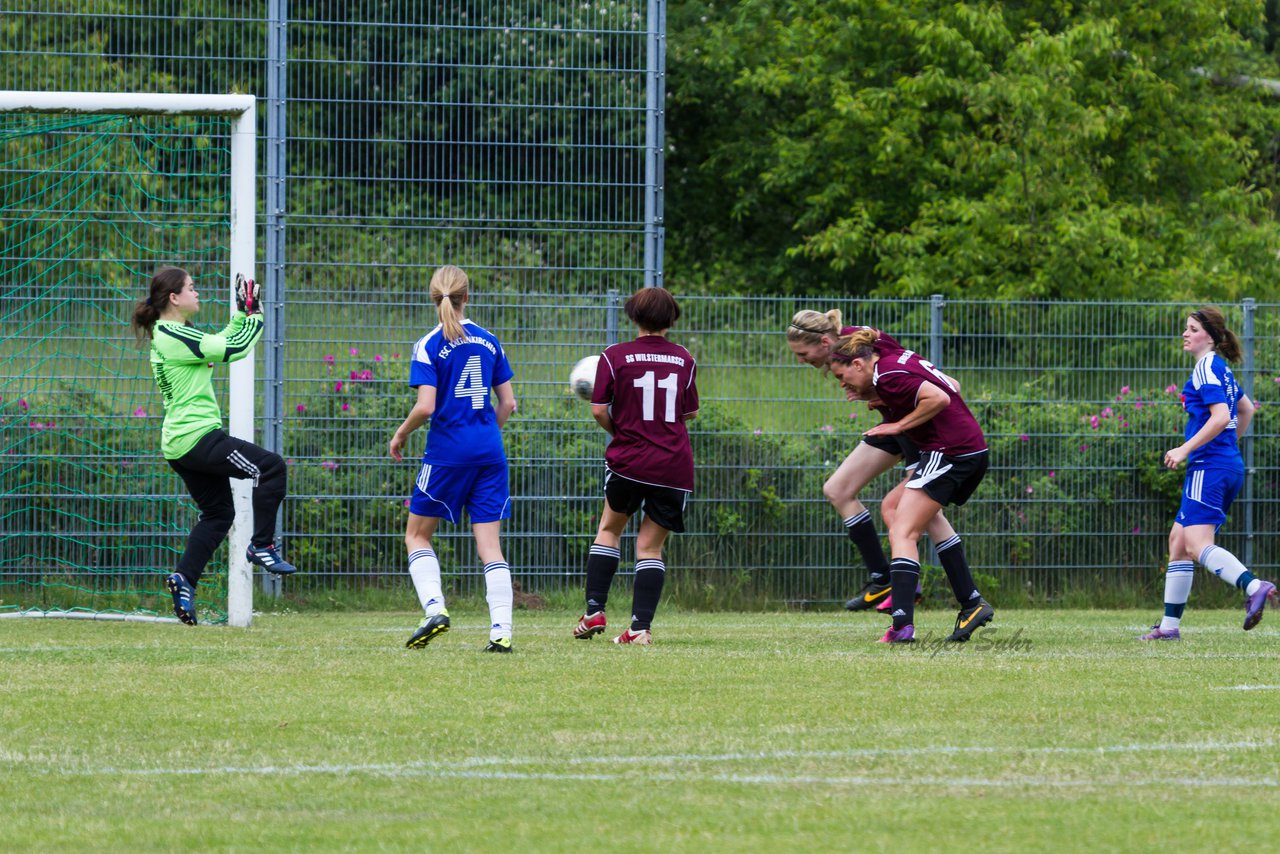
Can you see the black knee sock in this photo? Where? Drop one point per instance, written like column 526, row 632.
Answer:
column 650, row 576
column 904, row 575
column 602, row 564
column 956, row 566
column 862, row 531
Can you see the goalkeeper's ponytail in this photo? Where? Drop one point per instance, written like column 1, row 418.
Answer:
column 166, row 281
column 449, row 291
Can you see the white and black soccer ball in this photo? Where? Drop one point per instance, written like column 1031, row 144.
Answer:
column 582, row 379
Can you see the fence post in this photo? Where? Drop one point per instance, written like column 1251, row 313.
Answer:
column 936, row 302
column 654, row 130
column 611, row 317
column 1247, row 349
column 276, row 176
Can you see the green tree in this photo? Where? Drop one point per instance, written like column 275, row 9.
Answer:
column 1048, row 149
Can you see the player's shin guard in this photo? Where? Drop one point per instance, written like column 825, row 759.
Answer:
column 602, row 565
column 1177, row 589
column 651, row 573
column 424, row 569
column 1226, row 566
column 862, row 532
column 904, row 574
column 497, row 584
column 956, row 566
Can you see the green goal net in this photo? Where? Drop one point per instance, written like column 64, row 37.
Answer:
column 91, row 517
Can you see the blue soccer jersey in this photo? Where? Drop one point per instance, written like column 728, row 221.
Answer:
column 1212, row 382
column 464, row 428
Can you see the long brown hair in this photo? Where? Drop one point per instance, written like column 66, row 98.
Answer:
column 1224, row 340
column 166, row 281
column 449, row 290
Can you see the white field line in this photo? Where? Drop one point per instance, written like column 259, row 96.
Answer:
column 1248, row 688
column 509, row 768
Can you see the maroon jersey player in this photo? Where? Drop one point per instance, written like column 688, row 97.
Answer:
column 921, row 403
column 811, row 337
column 645, row 391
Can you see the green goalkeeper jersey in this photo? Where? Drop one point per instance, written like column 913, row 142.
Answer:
column 182, row 359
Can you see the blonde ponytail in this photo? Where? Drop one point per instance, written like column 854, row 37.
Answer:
column 449, row 291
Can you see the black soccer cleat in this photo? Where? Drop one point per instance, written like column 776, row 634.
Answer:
column 970, row 619
column 428, row 630
column 871, row 595
column 499, row 645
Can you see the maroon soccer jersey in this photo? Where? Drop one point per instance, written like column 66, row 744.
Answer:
column 650, row 386
column 953, row 431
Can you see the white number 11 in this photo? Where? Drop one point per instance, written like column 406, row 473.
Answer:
column 667, row 384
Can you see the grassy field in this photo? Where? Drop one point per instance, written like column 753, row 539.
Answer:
column 1057, row 731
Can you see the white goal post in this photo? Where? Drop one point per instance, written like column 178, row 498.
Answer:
column 241, row 110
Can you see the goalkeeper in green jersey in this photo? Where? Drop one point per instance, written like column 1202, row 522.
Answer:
column 192, row 439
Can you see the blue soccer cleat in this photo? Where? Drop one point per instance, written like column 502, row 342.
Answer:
column 184, row 597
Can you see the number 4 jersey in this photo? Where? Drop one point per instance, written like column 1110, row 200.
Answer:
column 464, row 429
column 649, row 384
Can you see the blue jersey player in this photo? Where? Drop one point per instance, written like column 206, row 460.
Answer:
column 454, row 369
column 1217, row 412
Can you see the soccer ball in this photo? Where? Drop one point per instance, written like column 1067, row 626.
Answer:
column 582, row 379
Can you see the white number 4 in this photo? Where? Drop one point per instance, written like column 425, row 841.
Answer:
column 471, row 383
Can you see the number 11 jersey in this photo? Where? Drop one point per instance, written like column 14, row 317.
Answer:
column 464, row 428
column 650, row 386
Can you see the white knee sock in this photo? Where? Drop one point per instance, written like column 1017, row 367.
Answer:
column 1177, row 589
column 497, row 583
column 1222, row 563
column 424, row 569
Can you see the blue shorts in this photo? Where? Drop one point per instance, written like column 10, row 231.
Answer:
column 1207, row 495
column 444, row 491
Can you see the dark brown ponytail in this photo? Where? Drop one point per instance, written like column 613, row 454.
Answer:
column 166, row 281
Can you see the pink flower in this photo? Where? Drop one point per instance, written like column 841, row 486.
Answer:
column 329, row 464
column 1024, row 438
column 337, row 387
column 301, row 408
column 1124, row 423
column 1084, row 447
column 139, row 413
column 395, row 355
column 345, row 407
column 1053, row 474
column 406, row 502
column 1138, row 405
column 1030, row 490
column 853, row 416
column 1093, row 421
column 22, row 404
column 355, row 352
column 36, row 425
column 1108, row 412
column 1124, row 389
column 328, row 360
column 377, row 358
column 1173, row 389
column 757, row 432
column 826, row 428
column 1137, row 529
column 290, row 462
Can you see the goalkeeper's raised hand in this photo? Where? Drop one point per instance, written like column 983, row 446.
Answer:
column 248, row 295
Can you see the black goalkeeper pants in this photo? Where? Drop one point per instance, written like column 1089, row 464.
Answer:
column 207, row 470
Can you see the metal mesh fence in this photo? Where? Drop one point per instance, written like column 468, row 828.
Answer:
column 521, row 141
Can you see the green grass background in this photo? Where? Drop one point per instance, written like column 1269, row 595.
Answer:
column 762, row 731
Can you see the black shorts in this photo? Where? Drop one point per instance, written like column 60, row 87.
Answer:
column 910, row 453
column 662, row 504
column 888, row 444
column 949, row 480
